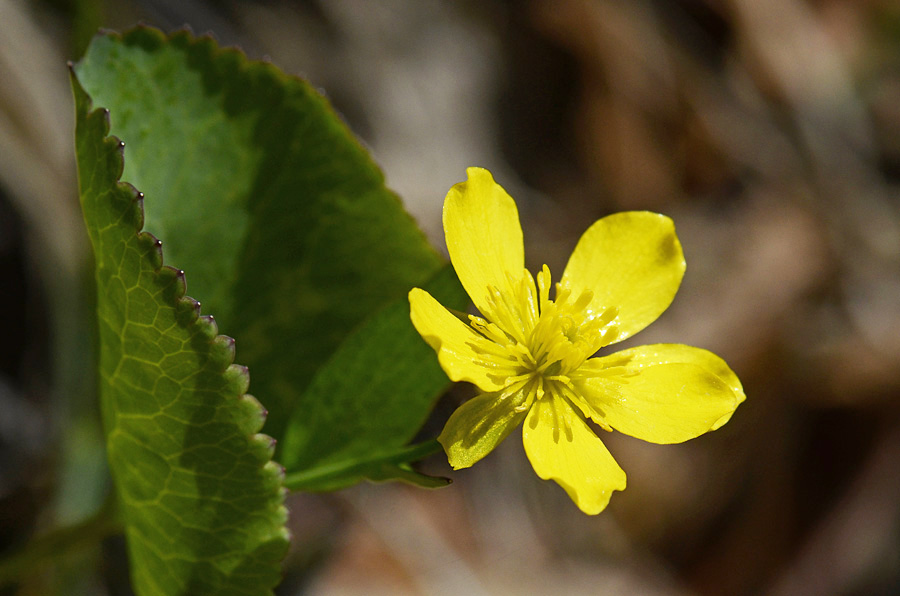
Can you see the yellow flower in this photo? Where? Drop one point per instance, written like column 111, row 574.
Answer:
column 531, row 356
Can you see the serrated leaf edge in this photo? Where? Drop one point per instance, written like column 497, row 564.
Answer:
column 215, row 50
column 188, row 311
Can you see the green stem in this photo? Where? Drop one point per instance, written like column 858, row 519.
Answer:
column 52, row 545
column 317, row 476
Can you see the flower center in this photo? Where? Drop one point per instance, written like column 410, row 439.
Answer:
column 536, row 343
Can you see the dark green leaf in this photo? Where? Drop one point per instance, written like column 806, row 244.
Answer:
column 291, row 239
column 261, row 193
column 200, row 499
column 370, row 397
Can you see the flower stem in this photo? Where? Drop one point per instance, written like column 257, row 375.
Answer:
column 378, row 467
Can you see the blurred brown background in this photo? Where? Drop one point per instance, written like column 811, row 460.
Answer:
column 768, row 129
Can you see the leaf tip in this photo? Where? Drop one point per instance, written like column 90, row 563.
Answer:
column 152, row 247
column 255, row 414
column 187, row 310
column 264, row 445
column 206, row 326
column 272, row 468
column 237, row 377
column 222, row 351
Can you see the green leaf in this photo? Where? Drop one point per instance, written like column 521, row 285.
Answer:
column 262, row 194
column 291, row 239
column 200, row 499
column 354, row 415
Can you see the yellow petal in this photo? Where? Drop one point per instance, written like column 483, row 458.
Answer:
column 662, row 393
column 454, row 341
column 479, row 425
column 631, row 261
column 562, row 447
column 484, row 237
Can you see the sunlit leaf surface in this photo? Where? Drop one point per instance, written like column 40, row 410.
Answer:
column 200, row 499
column 289, row 237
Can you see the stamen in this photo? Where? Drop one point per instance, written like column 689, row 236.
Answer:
column 530, row 395
column 583, row 301
column 543, row 281
column 527, row 298
column 538, row 346
column 507, row 319
column 490, row 330
column 568, row 392
column 512, row 389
